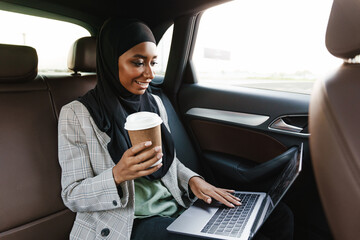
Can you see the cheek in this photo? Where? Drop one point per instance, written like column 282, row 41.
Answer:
column 127, row 74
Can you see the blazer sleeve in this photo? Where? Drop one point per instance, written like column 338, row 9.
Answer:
column 184, row 174
column 82, row 191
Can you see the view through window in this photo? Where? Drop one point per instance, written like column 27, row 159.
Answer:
column 163, row 49
column 52, row 39
column 277, row 44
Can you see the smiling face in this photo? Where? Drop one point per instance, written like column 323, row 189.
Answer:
column 136, row 67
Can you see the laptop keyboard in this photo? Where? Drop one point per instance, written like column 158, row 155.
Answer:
column 231, row 221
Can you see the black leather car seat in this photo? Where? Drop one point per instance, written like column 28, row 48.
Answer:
column 334, row 124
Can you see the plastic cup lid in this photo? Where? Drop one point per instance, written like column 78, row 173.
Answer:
column 142, row 120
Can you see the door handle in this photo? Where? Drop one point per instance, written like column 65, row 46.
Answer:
column 280, row 124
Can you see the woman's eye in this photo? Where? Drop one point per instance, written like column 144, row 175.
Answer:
column 138, row 64
column 154, row 63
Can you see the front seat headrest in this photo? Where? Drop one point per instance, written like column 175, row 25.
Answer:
column 343, row 31
column 17, row 63
column 82, row 55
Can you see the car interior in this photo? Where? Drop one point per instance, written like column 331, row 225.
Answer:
column 236, row 138
column 333, row 125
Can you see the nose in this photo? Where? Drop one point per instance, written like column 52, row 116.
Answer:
column 149, row 72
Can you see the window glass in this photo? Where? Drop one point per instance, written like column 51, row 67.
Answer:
column 163, row 50
column 52, row 39
column 277, row 44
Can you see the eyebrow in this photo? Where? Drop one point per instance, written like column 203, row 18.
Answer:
column 142, row 56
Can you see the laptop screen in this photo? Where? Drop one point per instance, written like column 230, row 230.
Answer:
column 281, row 185
column 286, row 178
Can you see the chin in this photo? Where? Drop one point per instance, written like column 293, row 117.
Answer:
column 139, row 92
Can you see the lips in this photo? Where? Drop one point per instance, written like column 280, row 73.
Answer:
column 143, row 84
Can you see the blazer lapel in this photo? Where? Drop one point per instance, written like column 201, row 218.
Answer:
column 103, row 138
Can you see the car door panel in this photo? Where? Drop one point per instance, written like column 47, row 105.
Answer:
column 236, row 141
column 255, row 142
column 226, row 146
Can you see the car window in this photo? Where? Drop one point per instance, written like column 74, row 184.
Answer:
column 163, row 49
column 52, row 39
column 277, row 45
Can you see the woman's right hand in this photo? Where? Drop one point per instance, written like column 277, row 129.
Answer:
column 133, row 165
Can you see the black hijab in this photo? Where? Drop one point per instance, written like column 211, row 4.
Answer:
column 109, row 103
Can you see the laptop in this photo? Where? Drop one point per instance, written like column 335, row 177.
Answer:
column 242, row 222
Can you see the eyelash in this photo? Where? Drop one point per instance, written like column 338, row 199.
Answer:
column 140, row 64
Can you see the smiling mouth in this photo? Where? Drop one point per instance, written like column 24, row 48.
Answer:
column 143, row 84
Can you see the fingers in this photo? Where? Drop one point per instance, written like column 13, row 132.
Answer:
column 139, row 153
column 149, row 171
column 223, row 199
column 138, row 148
column 230, row 193
column 224, row 196
column 147, row 155
column 227, row 190
column 143, row 165
column 206, row 191
column 137, row 162
column 235, row 198
column 204, row 197
column 228, row 198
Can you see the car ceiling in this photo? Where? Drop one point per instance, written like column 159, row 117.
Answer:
column 91, row 14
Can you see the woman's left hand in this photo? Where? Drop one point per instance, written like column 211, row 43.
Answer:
column 206, row 192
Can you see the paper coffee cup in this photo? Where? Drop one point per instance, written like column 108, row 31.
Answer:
column 144, row 126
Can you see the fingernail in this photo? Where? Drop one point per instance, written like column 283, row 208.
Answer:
column 148, row 143
column 238, row 203
column 232, row 205
column 159, row 155
column 208, row 200
column 157, row 148
column 159, row 165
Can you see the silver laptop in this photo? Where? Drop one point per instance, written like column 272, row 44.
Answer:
column 241, row 222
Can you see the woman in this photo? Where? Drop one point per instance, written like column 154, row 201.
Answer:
column 107, row 181
column 111, row 184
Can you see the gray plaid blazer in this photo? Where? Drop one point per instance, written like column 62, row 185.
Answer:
column 88, row 186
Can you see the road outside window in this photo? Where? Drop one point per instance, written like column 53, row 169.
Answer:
column 276, row 45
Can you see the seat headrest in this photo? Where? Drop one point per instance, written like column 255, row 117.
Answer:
column 343, row 31
column 17, row 63
column 82, row 55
